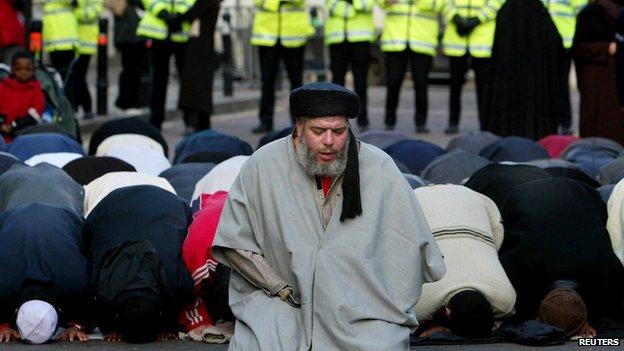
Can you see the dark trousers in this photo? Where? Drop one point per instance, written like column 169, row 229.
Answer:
column 357, row 55
column 396, row 66
column 566, row 117
column 269, row 64
column 77, row 89
column 61, row 60
column 459, row 67
column 132, row 55
column 161, row 55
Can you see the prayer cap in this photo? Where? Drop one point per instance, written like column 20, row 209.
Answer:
column 36, row 321
column 324, row 99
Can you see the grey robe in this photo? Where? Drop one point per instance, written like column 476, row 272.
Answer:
column 358, row 282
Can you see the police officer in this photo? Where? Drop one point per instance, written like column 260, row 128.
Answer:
column 467, row 42
column 410, row 34
column 60, row 33
column 280, row 30
column 163, row 24
column 349, row 32
column 563, row 14
column 87, row 13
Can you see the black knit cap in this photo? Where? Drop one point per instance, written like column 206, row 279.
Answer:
column 322, row 99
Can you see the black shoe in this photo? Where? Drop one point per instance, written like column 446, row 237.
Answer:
column 451, row 129
column 422, row 130
column 261, row 129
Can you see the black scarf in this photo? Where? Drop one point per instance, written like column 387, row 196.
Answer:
column 352, row 203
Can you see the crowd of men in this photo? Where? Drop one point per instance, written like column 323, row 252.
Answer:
column 317, row 239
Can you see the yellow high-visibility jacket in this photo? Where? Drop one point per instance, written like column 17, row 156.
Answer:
column 563, row 13
column 479, row 42
column 412, row 24
column 88, row 14
column 351, row 22
column 60, row 26
column 286, row 21
column 152, row 27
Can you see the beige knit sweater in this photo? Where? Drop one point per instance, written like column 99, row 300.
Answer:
column 467, row 227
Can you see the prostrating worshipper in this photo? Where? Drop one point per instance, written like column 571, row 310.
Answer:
column 44, row 275
column 497, row 180
column 220, row 178
column 133, row 140
column 527, row 100
column 514, row 149
column 7, row 161
column 183, row 177
column 210, row 141
column 574, row 174
column 23, row 185
column 132, row 125
column 58, row 159
column 615, row 224
column 144, row 160
column 320, row 259
column 555, row 144
column 558, row 256
column 453, row 167
column 137, row 278
column 472, row 142
column 381, row 138
column 86, row 169
column 98, row 189
column 612, row 172
column 414, row 154
column 590, row 154
column 594, row 53
column 210, row 319
column 27, row 146
column 475, row 290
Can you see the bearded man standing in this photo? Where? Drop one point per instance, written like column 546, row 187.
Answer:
column 328, row 245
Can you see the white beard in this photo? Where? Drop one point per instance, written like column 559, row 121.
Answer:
column 313, row 168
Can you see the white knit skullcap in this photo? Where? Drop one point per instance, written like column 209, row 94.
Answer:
column 36, row 321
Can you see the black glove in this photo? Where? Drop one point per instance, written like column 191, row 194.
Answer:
column 163, row 15
column 174, row 22
column 461, row 25
column 472, row 23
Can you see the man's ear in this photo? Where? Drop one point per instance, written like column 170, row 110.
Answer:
column 299, row 125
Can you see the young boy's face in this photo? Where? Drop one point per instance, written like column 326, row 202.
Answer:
column 23, row 69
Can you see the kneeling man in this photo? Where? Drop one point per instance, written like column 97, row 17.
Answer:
column 328, row 245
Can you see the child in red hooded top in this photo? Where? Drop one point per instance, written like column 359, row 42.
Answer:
column 21, row 99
